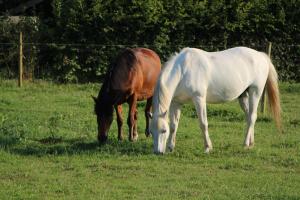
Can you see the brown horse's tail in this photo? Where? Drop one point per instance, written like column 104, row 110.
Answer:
column 273, row 95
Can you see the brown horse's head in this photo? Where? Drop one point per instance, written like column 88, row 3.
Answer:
column 104, row 112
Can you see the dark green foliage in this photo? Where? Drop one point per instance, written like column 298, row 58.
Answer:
column 87, row 34
column 9, row 40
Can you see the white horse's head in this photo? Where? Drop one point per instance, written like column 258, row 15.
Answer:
column 160, row 131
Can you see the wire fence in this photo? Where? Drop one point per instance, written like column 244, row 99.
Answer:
column 47, row 60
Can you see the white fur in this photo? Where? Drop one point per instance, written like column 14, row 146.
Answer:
column 207, row 77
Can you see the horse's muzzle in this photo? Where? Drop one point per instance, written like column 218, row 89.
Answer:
column 102, row 138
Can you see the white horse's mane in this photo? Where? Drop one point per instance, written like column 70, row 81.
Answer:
column 161, row 97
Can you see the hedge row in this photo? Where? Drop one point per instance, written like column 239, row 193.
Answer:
column 78, row 40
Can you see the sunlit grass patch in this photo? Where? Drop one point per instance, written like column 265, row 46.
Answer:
column 49, row 149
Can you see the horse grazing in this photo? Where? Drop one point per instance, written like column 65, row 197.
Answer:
column 212, row 77
column 131, row 78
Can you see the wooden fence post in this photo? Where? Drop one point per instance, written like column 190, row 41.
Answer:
column 20, row 60
column 263, row 102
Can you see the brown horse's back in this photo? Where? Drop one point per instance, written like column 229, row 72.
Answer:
column 123, row 71
column 136, row 72
column 149, row 65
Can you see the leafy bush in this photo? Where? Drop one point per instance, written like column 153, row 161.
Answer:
column 81, row 36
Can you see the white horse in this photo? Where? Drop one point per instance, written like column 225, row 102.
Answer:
column 212, row 77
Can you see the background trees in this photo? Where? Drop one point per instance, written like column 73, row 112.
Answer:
column 79, row 37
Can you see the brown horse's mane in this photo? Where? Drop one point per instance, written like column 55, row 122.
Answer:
column 125, row 61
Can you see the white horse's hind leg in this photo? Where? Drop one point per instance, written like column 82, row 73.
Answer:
column 244, row 103
column 254, row 96
column 174, row 114
column 200, row 104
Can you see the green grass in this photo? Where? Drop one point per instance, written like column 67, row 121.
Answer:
column 48, row 150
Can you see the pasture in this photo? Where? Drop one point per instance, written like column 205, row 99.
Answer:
column 48, row 150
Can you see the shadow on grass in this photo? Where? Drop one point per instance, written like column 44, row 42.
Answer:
column 223, row 115
column 6, row 141
column 74, row 146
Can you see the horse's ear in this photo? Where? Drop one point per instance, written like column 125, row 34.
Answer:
column 94, row 98
column 164, row 114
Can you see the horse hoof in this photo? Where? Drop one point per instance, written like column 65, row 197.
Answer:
column 247, row 147
column 147, row 134
column 207, row 150
column 171, row 149
column 133, row 139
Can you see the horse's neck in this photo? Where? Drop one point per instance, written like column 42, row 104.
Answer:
column 168, row 83
column 104, row 95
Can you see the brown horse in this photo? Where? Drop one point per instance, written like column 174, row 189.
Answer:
column 131, row 78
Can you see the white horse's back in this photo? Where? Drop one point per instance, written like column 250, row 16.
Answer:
column 222, row 76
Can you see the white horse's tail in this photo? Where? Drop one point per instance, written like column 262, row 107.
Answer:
column 273, row 95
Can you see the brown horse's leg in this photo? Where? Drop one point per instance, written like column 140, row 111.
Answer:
column 118, row 109
column 135, row 131
column 131, row 117
column 148, row 115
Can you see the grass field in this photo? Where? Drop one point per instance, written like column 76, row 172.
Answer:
column 48, row 150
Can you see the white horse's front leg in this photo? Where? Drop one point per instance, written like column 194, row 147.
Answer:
column 174, row 115
column 200, row 104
